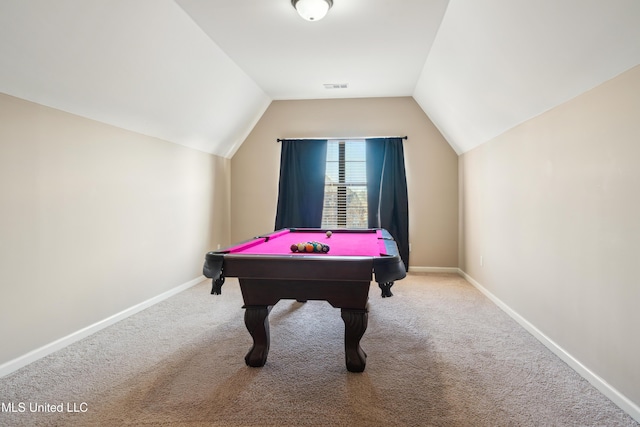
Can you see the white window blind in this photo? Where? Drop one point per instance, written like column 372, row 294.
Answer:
column 345, row 189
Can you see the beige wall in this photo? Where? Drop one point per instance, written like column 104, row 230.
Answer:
column 553, row 208
column 432, row 176
column 94, row 220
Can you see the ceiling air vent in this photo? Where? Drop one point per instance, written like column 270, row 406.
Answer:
column 335, row 85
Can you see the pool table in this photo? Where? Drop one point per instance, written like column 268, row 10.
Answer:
column 269, row 270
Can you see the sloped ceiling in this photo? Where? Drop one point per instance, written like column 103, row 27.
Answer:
column 142, row 65
column 497, row 63
column 202, row 72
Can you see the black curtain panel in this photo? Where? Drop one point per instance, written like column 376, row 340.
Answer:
column 301, row 188
column 387, row 198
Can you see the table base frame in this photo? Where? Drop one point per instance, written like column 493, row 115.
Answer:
column 260, row 295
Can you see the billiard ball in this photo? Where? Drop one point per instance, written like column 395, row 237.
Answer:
column 301, row 247
column 329, row 233
column 294, row 248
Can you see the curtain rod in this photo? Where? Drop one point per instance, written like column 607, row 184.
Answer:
column 349, row 137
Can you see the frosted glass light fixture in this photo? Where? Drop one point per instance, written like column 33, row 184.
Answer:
column 312, row 10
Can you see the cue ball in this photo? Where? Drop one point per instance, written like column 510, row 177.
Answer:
column 329, row 233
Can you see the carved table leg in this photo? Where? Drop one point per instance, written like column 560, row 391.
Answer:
column 256, row 318
column 386, row 289
column 355, row 324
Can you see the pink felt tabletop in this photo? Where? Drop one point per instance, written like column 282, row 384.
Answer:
column 340, row 243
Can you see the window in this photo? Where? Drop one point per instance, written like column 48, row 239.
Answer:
column 345, row 187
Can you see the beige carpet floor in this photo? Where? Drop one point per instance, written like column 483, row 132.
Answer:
column 439, row 354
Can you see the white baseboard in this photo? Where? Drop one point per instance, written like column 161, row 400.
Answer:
column 454, row 270
column 605, row 388
column 32, row 356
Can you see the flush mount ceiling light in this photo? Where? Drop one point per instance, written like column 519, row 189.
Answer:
column 312, row 10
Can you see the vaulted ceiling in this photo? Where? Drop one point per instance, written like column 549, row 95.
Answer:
column 202, row 72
